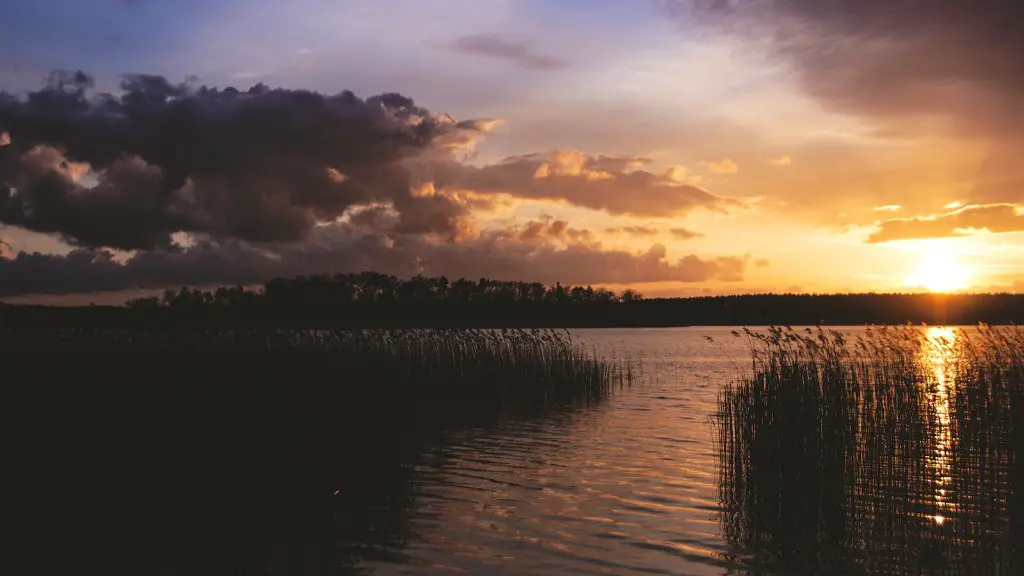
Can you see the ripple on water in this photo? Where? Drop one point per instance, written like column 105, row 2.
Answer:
column 624, row 488
column 632, row 486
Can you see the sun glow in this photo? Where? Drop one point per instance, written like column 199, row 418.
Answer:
column 939, row 270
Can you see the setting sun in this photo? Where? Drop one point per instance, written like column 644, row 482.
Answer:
column 939, row 270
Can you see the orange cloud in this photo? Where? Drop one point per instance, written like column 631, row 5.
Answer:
column 633, row 230
column 547, row 230
column 996, row 218
column 684, row 234
column 676, row 173
column 614, row 184
column 725, row 166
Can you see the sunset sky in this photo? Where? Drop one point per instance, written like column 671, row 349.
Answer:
column 679, row 147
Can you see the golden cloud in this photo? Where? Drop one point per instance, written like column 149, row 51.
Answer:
column 995, row 218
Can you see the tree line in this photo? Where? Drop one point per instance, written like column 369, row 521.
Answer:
column 372, row 287
column 368, row 300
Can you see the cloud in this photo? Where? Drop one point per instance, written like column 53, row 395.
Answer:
column 725, row 166
column 684, row 234
column 642, row 231
column 547, row 230
column 912, row 68
column 676, row 173
column 258, row 165
column 894, row 59
column 995, row 218
column 780, row 161
column 273, row 182
column 490, row 46
column 890, row 208
column 501, row 254
column 614, row 184
column 762, row 263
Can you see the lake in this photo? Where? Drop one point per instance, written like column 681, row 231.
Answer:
column 633, row 486
column 623, row 488
column 168, row 453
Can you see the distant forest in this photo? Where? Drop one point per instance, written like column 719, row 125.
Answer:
column 377, row 300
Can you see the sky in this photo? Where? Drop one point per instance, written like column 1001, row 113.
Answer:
column 678, row 147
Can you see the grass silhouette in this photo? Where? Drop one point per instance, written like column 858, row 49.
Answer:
column 254, row 451
column 896, row 452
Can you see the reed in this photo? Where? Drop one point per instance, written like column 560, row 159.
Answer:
column 508, row 367
column 210, row 451
column 895, row 452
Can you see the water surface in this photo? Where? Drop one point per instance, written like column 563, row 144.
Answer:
column 623, row 488
column 636, row 485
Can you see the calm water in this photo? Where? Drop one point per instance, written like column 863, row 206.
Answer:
column 624, row 488
column 634, row 486
column 628, row 487
column 693, row 470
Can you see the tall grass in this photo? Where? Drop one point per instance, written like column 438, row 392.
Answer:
column 895, row 452
column 246, row 452
column 534, row 365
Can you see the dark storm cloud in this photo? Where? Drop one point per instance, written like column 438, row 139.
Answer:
column 503, row 49
column 263, row 164
column 548, row 251
column 995, row 218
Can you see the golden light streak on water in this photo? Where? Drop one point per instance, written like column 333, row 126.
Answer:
column 937, row 356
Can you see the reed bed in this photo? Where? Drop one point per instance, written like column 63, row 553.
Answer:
column 537, row 367
column 896, row 452
column 254, row 451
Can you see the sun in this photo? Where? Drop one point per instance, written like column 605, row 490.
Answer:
column 939, row 270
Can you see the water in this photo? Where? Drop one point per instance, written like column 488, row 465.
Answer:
column 642, row 483
column 627, row 487
column 635, row 486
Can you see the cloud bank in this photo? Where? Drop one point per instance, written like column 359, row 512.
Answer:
column 268, row 182
column 259, row 165
column 539, row 251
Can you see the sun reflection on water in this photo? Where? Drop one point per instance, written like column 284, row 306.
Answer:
column 937, row 356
